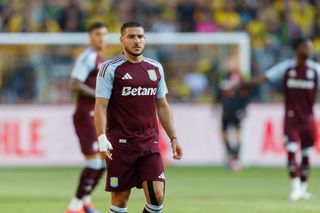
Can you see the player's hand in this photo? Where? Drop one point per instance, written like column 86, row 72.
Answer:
column 105, row 146
column 176, row 149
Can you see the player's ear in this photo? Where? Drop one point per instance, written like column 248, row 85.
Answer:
column 121, row 39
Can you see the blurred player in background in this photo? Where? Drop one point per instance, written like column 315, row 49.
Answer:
column 301, row 79
column 131, row 92
column 83, row 82
column 233, row 109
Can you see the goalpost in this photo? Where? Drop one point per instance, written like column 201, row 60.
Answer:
column 240, row 39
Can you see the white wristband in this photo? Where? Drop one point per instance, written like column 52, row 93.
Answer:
column 102, row 138
column 104, row 143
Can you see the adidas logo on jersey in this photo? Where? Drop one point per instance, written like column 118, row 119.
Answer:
column 126, row 76
column 162, row 176
column 140, row 91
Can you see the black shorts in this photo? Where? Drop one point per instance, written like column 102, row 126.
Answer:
column 232, row 118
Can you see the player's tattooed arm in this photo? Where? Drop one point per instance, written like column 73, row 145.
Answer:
column 165, row 117
column 79, row 87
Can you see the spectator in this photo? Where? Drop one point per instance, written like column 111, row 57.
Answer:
column 72, row 17
column 185, row 12
column 228, row 19
column 204, row 22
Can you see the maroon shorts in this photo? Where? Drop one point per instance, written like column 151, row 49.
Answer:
column 128, row 169
column 303, row 131
column 85, row 130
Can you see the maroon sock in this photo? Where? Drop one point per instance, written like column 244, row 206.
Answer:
column 292, row 165
column 305, row 169
column 97, row 178
column 86, row 182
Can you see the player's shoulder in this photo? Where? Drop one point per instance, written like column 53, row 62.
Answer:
column 111, row 64
column 152, row 62
column 87, row 53
column 290, row 62
column 313, row 65
column 284, row 66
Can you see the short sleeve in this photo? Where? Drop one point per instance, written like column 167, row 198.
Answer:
column 84, row 64
column 317, row 69
column 162, row 86
column 277, row 72
column 104, row 84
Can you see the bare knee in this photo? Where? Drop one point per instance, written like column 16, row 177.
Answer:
column 154, row 191
column 159, row 192
column 120, row 199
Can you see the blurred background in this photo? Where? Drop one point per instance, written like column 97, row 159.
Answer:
column 271, row 25
column 248, row 37
column 198, row 42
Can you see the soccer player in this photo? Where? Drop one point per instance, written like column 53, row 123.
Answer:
column 301, row 79
column 130, row 94
column 233, row 110
column 83, row 82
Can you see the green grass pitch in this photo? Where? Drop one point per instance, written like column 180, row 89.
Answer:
column 188, row 190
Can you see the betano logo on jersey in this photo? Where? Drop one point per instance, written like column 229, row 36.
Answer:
column 140, row 91
column 300, row 84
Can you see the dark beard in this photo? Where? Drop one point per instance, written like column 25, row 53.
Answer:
column 134, row 54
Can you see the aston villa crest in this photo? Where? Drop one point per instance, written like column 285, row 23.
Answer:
column 152, row 75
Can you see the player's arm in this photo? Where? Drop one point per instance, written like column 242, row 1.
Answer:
column 84, row 64
column 103, row 92
column 274, row 74
column 165, row 117
column 81, row 88
column 100, row 122
column 255, row 81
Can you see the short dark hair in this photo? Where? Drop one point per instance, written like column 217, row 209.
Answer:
column 128, row 25
column 96, row 25
column 301, row 40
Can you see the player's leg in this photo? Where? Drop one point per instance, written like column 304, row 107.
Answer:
column 307, row 142
column 293, row 168
column 101, row 171
column 119, row 201
column 224, row 133
column 151, row 176
column 154, row 193
column 89, row 178
column 235, row 165
column 121, row 177
column 239, row 115
column 94, row 167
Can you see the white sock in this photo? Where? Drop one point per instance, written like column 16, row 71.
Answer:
column 115, row 209
column 304, row 187
column 86, row 199
column 295, row 184
column 153, row 208
column 75, row 204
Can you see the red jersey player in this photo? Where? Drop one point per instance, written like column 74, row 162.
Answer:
column 83, row 82
column 300, row 78
column 130, row 93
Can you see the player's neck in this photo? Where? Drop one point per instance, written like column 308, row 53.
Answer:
column 301, row 61
column 97, row 50
column 132, row 58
